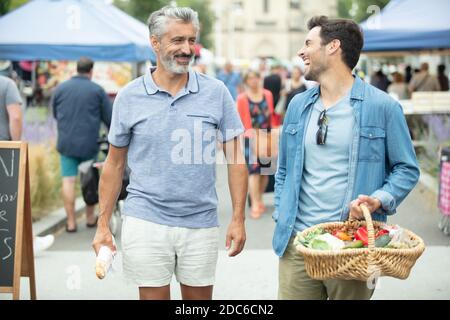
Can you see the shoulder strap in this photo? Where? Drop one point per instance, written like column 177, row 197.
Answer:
column 421, row 83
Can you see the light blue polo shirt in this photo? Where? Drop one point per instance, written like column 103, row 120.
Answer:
column 325, row 173
column 172, row 148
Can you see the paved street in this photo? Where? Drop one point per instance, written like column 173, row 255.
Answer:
column 67, row 270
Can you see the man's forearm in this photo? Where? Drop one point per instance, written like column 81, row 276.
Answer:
column 238, row 184
column 15, row 128
column 15, row 121
column 109, row 189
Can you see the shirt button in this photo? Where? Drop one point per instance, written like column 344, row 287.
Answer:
column 293, row 131
column 370, row 135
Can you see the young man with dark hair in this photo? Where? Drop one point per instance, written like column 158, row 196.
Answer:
column 343, row 144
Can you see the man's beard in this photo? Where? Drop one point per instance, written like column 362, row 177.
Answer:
column 171, row 64
column 314, row 74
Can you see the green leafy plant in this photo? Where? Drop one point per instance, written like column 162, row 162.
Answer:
column 45, row 180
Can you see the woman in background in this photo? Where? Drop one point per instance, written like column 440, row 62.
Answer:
column 256, row 109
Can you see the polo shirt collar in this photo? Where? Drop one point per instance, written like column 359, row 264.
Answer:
column 151, row 87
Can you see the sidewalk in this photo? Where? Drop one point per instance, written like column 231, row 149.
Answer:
column 67, row 270
column 252, row 275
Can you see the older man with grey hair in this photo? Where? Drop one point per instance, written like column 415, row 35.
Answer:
column 166, row 125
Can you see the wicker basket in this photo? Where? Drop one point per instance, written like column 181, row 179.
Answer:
column 360, row 264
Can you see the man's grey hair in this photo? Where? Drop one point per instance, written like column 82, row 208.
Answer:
column 158, row 20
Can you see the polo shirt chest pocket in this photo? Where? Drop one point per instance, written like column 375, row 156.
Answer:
column 204, row 122
column 372, row 144
column 207, row 121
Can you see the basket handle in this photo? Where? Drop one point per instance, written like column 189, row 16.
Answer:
column 369, row 225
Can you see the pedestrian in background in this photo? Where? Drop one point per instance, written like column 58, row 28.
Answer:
column 10, row 110
column 162, row 122
column 11, row 125
column 273, row 82
column 398, row 88
column 380, row 80
column 408, row 74
column 79, row 107
column 442, row 77
column 295, row 85
column 231, row 79
column 424, row 81
column 256, row 109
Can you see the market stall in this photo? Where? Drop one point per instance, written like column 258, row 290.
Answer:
column 46, row 37
column 70, row 29
column 406, row 28
column 408, row 25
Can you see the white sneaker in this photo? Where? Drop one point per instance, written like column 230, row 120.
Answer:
column 42, row 243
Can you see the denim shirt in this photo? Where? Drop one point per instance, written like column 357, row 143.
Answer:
column 382, row 160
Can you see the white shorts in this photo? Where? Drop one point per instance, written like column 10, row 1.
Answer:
column 152, row 253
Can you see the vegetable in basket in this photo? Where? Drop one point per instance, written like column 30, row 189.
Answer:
column 319, row 240
column 354, row 245
column 361, row 234
column 342, row 235
column 306, row 240
column 318, row 244
column 381, row 233
column 400, row 239
column 382, row 241
column 332, row 242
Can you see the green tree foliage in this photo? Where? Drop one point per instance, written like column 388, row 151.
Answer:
column 206, row 17
column 141, row 9
column 8, row 5
column 358, row 9
column 4, row 6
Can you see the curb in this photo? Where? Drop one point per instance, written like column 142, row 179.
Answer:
column 57, row 219
column 429, row 182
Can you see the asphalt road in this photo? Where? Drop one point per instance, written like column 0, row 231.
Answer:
column 66, row 271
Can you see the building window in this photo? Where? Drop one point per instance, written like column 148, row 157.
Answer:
column 266, row 6
column 238, row 5
column 295, row 4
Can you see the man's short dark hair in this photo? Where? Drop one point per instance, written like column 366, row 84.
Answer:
column 346, row 31
column 84, row 65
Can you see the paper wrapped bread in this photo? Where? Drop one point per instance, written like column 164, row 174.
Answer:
column 104, row 261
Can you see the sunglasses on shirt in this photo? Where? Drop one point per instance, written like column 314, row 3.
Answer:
column 322, row 122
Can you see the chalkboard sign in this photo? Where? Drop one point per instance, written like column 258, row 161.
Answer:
column 9, row 186
column 16, row 243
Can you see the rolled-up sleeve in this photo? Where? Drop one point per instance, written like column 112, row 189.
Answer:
column 402, row 161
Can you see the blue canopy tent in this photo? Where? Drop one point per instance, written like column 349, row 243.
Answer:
column 70, row 29
column 409, row 25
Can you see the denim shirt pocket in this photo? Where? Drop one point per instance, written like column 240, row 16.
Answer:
column 291, row 131
column 372, row 144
